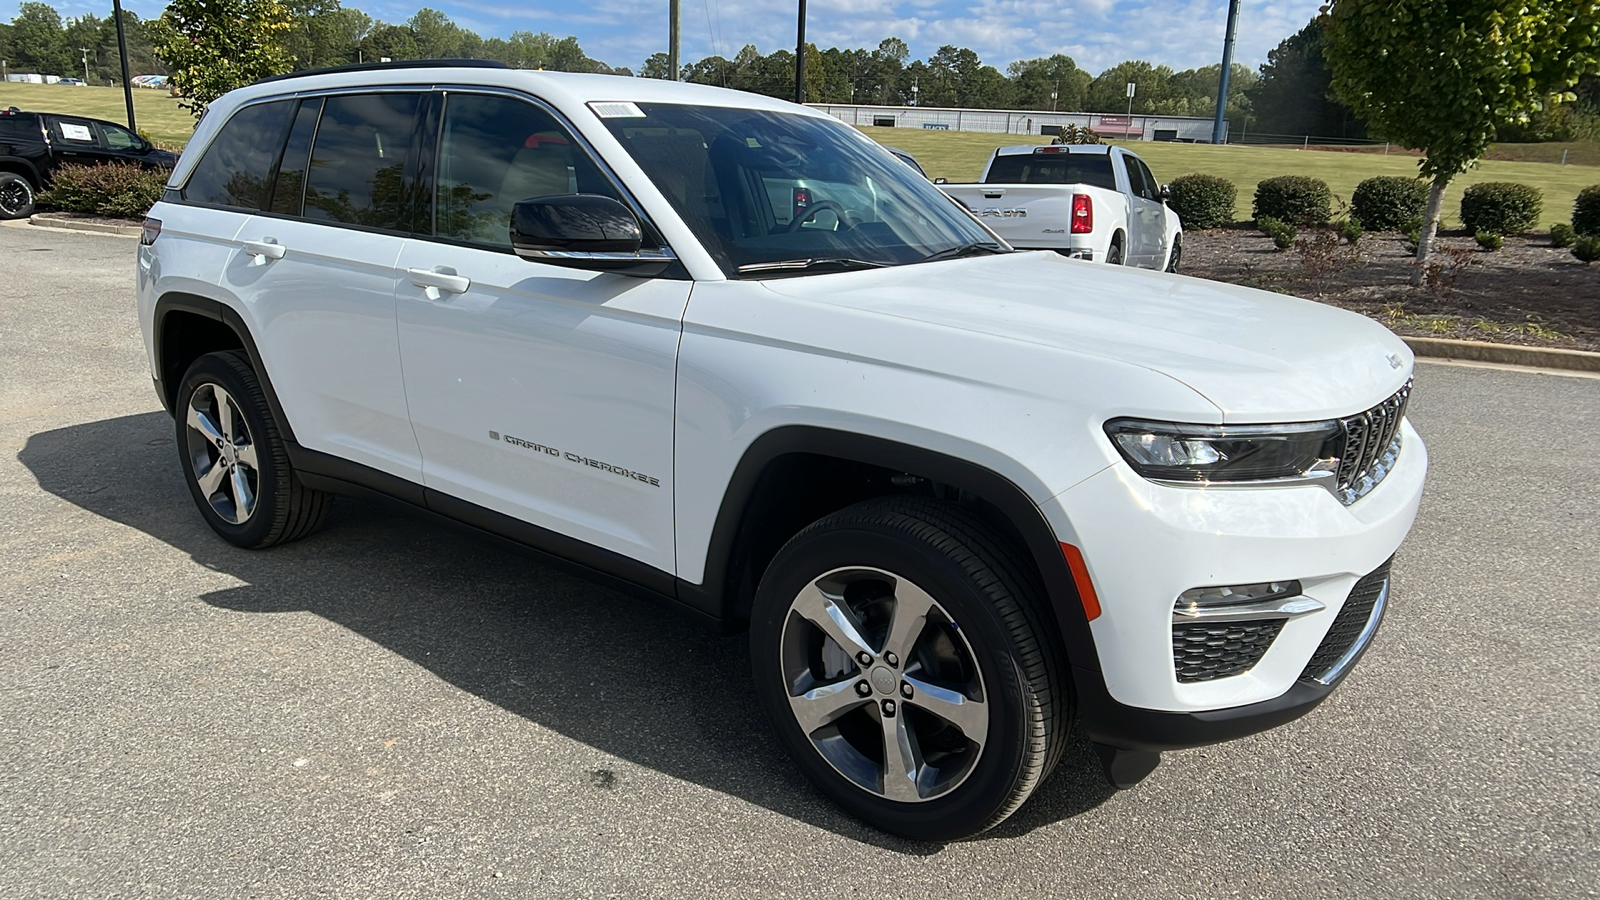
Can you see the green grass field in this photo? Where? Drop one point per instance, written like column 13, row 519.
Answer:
column 960, row 156
column 158, row 115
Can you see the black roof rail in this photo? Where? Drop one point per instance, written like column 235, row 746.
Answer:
column 393, row 64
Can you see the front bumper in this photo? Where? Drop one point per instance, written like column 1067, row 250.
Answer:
column 1144, row 544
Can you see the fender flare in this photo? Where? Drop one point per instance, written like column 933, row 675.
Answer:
column 217, row 311
column 719, row 596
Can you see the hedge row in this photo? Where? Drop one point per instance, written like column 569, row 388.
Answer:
column 115, row 190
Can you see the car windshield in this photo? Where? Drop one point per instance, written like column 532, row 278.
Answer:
column 760, row 188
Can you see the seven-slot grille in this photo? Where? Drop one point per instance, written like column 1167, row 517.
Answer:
column 1371, row 444
column 1358, row 610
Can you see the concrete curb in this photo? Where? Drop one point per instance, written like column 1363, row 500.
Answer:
column 72, row 223
column 1505, row 354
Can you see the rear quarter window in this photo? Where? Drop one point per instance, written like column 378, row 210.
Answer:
column 237, row 167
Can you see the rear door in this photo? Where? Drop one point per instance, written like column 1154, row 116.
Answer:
column 315, row 267
column 75, row 140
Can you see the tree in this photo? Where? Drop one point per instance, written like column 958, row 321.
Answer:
column 39, row 42
column 1295, row 91
column 1441, row 76
column 1054, row 83
column 213, row 46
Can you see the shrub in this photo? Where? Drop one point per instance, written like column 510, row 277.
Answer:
column 1349, row 229
column 116, row 190
column 1587, row 248
column 1489, row 240
column 1295, row 199
column 1203, row 201
column 1562, row 235
column 1586, row 211
column 1501, row 207
column 1389, row 202
column 1282, row 233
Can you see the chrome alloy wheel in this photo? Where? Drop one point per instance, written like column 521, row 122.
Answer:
column 882, row 681
column 222, row 453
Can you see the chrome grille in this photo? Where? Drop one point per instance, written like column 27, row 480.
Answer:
column 1371, row 445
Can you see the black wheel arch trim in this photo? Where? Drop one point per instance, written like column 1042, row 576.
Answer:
column 719, row 596
column 32, row 174
column 217, row 311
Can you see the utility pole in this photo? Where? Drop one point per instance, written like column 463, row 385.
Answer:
column 1219, row 132
column 673, row 39
column 122, row 51
column 800, row 57
column 85, row 52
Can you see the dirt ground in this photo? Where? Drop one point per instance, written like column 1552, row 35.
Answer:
column 1528, row 292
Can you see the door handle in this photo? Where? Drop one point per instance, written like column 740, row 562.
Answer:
column 441, row 277
column 264, row 249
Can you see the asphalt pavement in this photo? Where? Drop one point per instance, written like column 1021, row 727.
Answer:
column 399, row 708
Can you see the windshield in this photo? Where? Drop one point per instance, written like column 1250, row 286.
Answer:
column 1052, row 168
column 760, row 187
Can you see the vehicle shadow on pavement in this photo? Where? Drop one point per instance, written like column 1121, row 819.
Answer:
column 624, row 676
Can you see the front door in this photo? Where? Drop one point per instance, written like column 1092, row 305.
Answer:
column 541, row 392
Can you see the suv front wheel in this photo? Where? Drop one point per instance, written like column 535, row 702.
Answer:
column 900, row 653
column 234, row 459
column 16, row 196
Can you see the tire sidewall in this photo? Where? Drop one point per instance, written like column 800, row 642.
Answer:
column 1175, row 257
column 215, row 369
column 33, row 195
column 973, row 804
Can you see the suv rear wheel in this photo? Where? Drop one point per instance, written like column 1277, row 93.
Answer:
column 16, row 196
column 899, row 652
column 234, row 459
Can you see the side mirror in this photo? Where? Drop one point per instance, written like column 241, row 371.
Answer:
column 1166, row 192
column 941, row 181
column 584, row 231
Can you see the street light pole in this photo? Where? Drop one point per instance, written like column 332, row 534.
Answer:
column 122, row 51
column 673, row 40
column 1219, row 133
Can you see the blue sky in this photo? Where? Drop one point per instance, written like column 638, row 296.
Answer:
column 1097, row 33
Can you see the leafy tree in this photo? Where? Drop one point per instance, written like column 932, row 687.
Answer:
column 1295, row 95
column 1054, row 83
column 325, row 33
column 214, row 46
column 1108, row 93
column 1442, row 75
column 39, row 42
column 393, row 41
column 658, row 65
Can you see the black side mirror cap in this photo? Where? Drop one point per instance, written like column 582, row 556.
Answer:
column 584, row 231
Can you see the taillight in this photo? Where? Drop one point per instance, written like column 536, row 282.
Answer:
column 151, row 231
column 1082, row 214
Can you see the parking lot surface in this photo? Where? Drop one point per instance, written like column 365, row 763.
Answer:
column 396, row 707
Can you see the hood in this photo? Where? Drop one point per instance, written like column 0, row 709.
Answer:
column 1256, row 355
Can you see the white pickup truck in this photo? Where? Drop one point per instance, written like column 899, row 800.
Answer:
column 1086, row 201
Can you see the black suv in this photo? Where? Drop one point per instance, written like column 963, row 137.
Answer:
column 33, row 145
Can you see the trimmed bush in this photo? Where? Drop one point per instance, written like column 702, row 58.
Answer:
column 1295, row 199
column 1587, row 248
column 115, row 190
column 1282, row 233
column 1489, row 240
column 1501, row 207
column 1349, row 229
column 1562, row 235
column 1389, row 202
column 1203, row 201
column 1586, row 211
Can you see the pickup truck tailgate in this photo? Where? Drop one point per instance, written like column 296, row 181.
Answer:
column 1026, row 215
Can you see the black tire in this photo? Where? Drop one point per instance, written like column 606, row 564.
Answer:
column 255, row 500
column 1114, row 256
column 16, row 196
column 987, row 614
column 1176, row 255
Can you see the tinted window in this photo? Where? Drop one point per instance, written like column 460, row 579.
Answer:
column 1053, row 168
column 496, row 151
column 25, row 127
column 235, row 170
column 358, row 161
column 119, row 138
column 290, row 186
column 73, row 133
column 1152, row 190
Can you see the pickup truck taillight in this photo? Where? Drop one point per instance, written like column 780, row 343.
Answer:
column 150, row 231
column 1082, row 214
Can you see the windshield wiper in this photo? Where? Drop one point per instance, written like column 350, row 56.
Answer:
column 961, row 250
column 801, row 265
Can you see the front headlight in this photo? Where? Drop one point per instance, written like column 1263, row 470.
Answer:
column 1171, row 451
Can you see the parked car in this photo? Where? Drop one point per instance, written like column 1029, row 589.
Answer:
column 33, row 145
column 1083, row 200
column 720, row 350
column 908, row 159
column 73, row 81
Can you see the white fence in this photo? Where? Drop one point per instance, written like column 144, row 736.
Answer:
column 1023, row 121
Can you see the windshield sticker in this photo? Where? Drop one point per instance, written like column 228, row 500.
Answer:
column 75, row 132
column 616, row 109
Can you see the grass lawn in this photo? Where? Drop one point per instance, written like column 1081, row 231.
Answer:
column 961, row 155
column 158, row 115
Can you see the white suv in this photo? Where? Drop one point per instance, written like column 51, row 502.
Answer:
column 726, row 351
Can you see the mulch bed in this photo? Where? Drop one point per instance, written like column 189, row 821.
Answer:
column 1525, row 293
